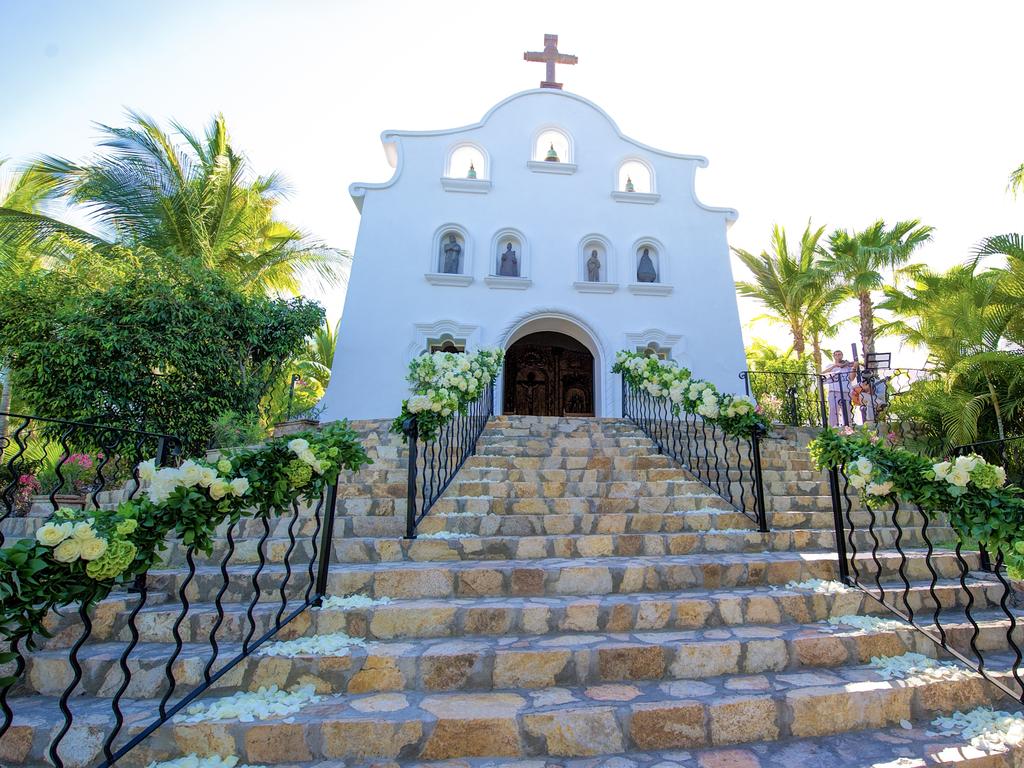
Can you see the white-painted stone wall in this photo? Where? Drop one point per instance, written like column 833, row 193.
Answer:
column 393, row 306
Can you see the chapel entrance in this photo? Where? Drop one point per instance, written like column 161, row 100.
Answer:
column 549, row 374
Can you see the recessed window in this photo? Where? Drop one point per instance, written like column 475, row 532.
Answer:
column 635, row 176
column 467, row 161
column 653, row 349
column 446, row 343
column 553, row 146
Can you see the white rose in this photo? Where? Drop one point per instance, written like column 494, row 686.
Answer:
column 880, row 489
column 959, row 477
column 83, row 532
column 189, row 473
column 93, row 548
column 206, row 476
column 52, row 534
column 857, row 481
column 67, row 551
column 941, row 470
column 219, row 489
column 966, row 463
column 147, row 470
column 1000, row 476
column 863, row 466
column 298, row 445
column 239, row 486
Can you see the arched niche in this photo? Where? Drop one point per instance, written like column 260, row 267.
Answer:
column 658, row 259
column 553, row 138
column 605, row 255
column 467, row 161
column 443, row 236
column 500, row 243
column 635, row 175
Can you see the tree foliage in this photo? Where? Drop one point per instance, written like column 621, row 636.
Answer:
column 146, row 341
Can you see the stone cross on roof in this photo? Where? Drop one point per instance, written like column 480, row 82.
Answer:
column 550, row 56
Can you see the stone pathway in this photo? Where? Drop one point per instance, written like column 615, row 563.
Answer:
column 574, row 599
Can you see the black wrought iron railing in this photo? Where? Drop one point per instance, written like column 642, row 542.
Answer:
column 221, row 610
column 434, row 462
column 729, row 466
column 916, row 566
column 791, row 398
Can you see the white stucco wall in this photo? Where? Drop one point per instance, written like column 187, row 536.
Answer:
column 391, row 307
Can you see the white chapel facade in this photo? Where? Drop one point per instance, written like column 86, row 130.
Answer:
column 544, row 231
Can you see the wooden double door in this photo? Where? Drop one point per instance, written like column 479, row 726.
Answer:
column 549, row 374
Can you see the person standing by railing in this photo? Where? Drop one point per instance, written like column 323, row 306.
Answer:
column 839, row 389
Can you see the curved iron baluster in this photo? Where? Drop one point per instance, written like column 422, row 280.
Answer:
column 287, row 563
column 218, row 603
column 976, row 630
column 176, row 631
column 126, row 673
column 875, row 543
column 65, row 457
column 936, row 616
column 255, row 582
column 1003, row 600
column 19, row 670
column 315, row 555
column 850, row 537
column 903, row 557
column 86, row 619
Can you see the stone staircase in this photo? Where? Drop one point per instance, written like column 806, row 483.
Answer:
column 573, row 599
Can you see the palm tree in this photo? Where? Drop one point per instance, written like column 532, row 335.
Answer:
column 956, row 315
column 197, row 200
column 1009, row 291
column 857, row 261
column 793, row 288
column 319, row 357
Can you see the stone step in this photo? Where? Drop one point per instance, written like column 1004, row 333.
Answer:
column 553, row 722
column 622, row 463
column 515, row 475
column 561, row 505
column 560, row 489
column 523, row 616
column 505, row 662
column 582, row 576
column 443, row 546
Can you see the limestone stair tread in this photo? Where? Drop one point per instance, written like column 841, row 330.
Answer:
column 601, row 719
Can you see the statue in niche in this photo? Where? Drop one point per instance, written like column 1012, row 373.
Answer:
column 451, row 254
column 509, row 266
column 645, row 272
column 594, row 268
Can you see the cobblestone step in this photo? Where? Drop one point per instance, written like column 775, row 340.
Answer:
column 579, row 576
column 559, row 722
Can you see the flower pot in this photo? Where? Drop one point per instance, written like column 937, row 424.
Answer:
column 41, row 506
column 297, row 425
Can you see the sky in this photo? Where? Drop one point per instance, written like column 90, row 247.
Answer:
column 839, row 112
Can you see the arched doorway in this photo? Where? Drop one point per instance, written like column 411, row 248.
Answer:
column 548, row 373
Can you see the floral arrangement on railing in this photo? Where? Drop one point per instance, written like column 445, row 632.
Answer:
column 443, row 384
column 79, row 556
column 973, row 494
column 736, row 415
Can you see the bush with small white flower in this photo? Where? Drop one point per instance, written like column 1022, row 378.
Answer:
column 736, row 415
column 443, row 384
column 972, row 493
column 78, row 556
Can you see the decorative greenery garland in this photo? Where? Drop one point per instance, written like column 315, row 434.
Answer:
column 972, row 493
column 79, row 556
column 443, row 384
column 736, row 415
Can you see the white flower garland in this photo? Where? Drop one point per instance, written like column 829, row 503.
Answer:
column 352, row 601
column 916, row 665
column 442, row 380
column 164, row 481
column 333, row 644
column 248, row 706
column 986, row 728
column 194, row 761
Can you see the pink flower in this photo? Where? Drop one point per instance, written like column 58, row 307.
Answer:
column 758, row 408
column 847, row 430
column 893, row 437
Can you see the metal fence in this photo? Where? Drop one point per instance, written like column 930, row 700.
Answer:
column 434, row 462
column 729, row 466
column 272, row 592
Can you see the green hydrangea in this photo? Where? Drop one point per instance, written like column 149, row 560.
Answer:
column 224, row 467
column 984, row 476
column 126, row 526
column 299, row 473
column 113, row 562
